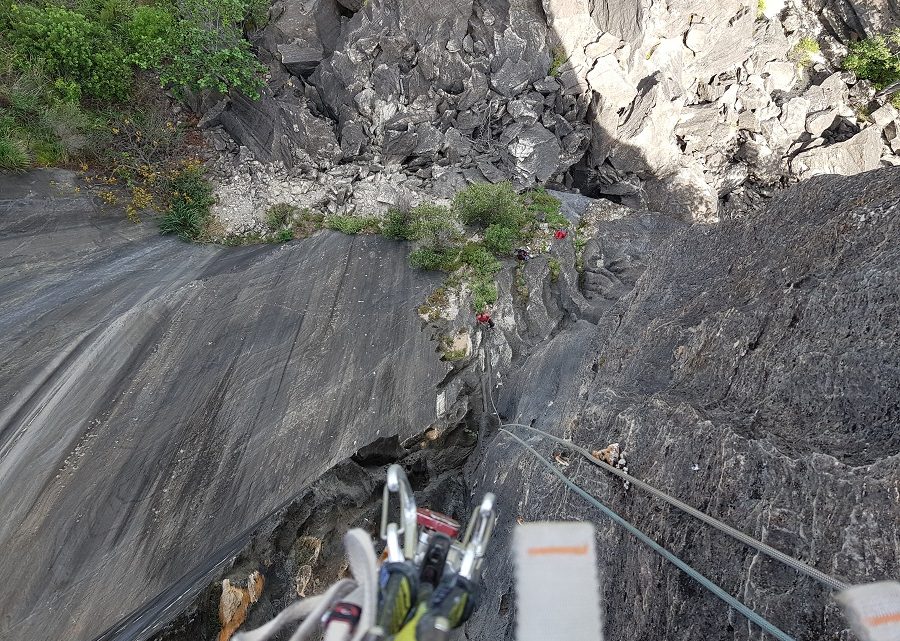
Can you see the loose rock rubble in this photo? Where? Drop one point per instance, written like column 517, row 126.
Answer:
column 695, row 109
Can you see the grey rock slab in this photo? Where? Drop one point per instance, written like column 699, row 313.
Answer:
column 299, row 60
column 793, row 116
column 280, row 128
column 780, row 76
column 818, row 121
column 511, row 78
column 608, row 79
column 860, row 153
column 885, row 114
column 536, row 154
column 156, row 397
column 684, row 194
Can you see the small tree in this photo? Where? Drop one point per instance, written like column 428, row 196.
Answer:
column 875, row 59
column 209, row 50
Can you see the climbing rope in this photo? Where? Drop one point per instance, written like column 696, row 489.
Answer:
column 687, row 569
column 769, row 551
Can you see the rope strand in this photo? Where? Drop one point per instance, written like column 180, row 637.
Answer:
column 687, row 569
column 769, row 551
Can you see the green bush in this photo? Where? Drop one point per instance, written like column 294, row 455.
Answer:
column 875, row 59
column 559, row 57
column 804, row 50
column 280, row 214
column 501, row 239
column 480, row 259
column 428, row 222
column 37, row 122
column 209, row 50
column 191, row 199
column 557, row 220
column 148, row 33
column 398, row 225
column 349, row 224
column 484, row 293
column 539, row 202
column 485, row 204
column 555, row 269
column 431, row 259
column 70, row 47
column 13, row 153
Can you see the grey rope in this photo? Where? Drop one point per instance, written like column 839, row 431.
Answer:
column 702, row 580
column 790, row 561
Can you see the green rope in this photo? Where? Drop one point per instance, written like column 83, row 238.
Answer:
column 691, row 572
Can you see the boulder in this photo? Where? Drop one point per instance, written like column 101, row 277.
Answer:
column 793, row 116
column 818, row 121
column 280, row 127
column 831, row 91
column 511, row 78
column 608, row 79
column 644, row 141
column 535, row 154
column 780, row 76
column 861, row 153
column 884, row 115
column 605, row 44
column 300, row 61
column 702, row 128
column 684, row 195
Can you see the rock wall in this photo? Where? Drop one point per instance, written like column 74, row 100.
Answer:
column 750, row 369
column 158, row 397
column 694, row 109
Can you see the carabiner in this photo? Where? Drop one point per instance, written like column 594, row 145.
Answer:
column 397, row 483
column 478, row 533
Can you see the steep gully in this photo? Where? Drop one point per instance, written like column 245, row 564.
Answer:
column 695, row 356
column 654, row 366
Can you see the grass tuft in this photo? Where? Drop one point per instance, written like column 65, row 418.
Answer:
column 191, row 199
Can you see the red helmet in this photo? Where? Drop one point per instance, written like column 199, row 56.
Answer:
column 560, row 234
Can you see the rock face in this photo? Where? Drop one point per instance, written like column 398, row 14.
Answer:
column 748, row 368
column 641, row 102
column 157, row 397
column 751, row 371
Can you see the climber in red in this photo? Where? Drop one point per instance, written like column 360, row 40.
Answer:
column 560, row 234
column 484, row 318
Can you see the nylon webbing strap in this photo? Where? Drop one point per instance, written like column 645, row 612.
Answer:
column 873, row 610
column 557, row 590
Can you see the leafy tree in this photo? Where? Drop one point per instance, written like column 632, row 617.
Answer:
column 209, row 50
column 70, row 47
column 875, row 59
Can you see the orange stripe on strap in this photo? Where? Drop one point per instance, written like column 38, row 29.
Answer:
column 884, row 619
column 577, row 550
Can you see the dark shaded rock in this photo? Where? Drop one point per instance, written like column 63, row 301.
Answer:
column 300, row 61
column 511, row 78
column 752, row 372
column 280, row 127
column 353, row 139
